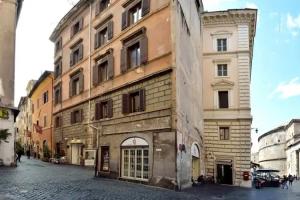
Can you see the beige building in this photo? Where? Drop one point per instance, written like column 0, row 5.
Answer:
column 128, row 89
column 279, row 148
column 9, row 13
column 228, row 39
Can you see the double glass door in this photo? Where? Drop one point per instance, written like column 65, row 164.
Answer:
column 135, row 163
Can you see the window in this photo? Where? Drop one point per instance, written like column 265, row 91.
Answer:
column 45, row 121
column 135, row 163
column 76, row 116
column 135, row 51
column 104, row 33
column 32, row 108
column 224, row 133
column 57, row 122
column 77, row 26
column 222, row 70
column 104, row 68
column 102, row 5
column 58, row 68
column 57, row 94
column 223, row 99
column 104, row 109
column 134, row 56
column 76, row 54
column 134, row 12
column 76, row 83
column 104, row 158
column 222, row 44
column 133, row 102
column 58, row 45
column 45, row 97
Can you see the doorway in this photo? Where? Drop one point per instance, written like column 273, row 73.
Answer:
column 195, row 167
column 75, row 154
column 224, row 174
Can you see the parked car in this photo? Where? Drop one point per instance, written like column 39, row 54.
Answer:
column 266, row 178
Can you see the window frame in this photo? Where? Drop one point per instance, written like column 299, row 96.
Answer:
column 105, row 58
column 222, row 70
column 220, row 104
column 45, row 97
column 223, row 47
column 107, row 24
column 79, row 22
column 57, row 99
column 99, row 109
column 74, row 119
column 226, row 135
column 77, row 53
column 101, row 7
column 128, row 98
column 76, row 76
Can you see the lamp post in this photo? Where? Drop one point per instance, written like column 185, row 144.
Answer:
column 97, row 147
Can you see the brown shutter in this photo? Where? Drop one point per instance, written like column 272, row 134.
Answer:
column 70, row 88
column 72, row 31
column 96, row 41
column 142, row 100
column 60, row 94
column 110, row 108
column 60, row 67
column 60, row 121
column 110, row 30
column 144, row 49
column 71, row 59
column 95, row 75
column 123, row 59
column 81, row 115
column 97, row 11
column 81, row 24
column 100, row 111
column 72, row 118
column 124, row 20
column 81, row 82
column 145, row 7
column 125, row 103
column 80, row 56
column 97, row 111
column 110, row 62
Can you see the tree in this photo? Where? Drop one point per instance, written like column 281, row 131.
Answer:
column 4, row 134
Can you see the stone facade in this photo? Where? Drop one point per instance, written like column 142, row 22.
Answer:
column 279, row 148
column 161, row 142
column 228, row 38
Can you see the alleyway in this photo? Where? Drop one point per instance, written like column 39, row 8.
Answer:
column 38, row 180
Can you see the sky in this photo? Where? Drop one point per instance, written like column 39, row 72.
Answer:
column 275, row 83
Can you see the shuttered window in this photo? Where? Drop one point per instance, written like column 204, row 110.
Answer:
column 133, row 102
column 103, row 34
column 77, row 27
column 58, row 68
column 76, row 54
column 134, row 12
column 76, row 83
column 104, row 109
column 103, row 69
column 57, row 94
column 134, row 52
column 223, row 99
column 58, row 122
column 101, row 5
column 58, row 45
column 76, row 116
column 224, row 133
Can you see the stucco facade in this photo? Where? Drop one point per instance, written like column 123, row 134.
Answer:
column 279, row 148
column 41, row 97
column 228, row 39
column 165, row 128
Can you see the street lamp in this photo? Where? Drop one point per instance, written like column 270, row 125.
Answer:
column 96, row 160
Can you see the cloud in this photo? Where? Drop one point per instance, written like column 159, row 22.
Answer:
column 287, row 90
column 293, row 24
column 212, row 5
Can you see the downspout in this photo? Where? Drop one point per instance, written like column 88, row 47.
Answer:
column 90, row 68
column 51, row 118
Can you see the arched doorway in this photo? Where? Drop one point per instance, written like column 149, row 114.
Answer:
column 135, row 159
column 195, row 161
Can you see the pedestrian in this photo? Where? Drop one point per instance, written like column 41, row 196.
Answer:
column 290, row 178
column 284, row 182
column 28, row 153
column 19, row 154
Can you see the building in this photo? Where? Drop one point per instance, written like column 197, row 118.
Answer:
column 9, row 14
column 41, row 135
column 279, row 148
column 24, row 118
column 228, row 40
column 122, row 69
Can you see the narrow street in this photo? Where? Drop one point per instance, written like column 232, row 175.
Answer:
column 34, row 179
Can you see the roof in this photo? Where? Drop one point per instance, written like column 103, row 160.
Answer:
column 22, row 101
column 38, row 82
column 275, row 130
column 67, row 17
column 292, row 122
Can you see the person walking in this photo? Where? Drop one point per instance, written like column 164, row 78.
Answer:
column 284, row 182
column 28, row 153
column 19, row 154
column 291, row 179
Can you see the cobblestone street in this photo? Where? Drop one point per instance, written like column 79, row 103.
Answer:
column 38, row 180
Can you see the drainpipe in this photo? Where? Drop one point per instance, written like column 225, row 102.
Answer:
column 90, row 66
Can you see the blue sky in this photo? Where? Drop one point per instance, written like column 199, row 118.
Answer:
column 275, row 84
column 275, row 87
